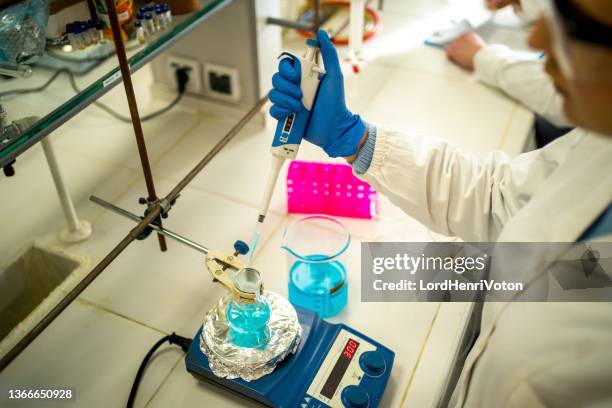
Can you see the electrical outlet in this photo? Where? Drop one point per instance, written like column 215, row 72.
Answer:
column 194, row 85
column 222, row 82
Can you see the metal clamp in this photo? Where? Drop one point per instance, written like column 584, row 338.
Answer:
column 217, row 263
column 164, row 204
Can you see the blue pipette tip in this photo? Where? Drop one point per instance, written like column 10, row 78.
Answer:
column 312, row 42
column 241, row 247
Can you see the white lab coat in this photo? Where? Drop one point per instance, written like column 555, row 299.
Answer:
column 521, row 78
column 527, row 355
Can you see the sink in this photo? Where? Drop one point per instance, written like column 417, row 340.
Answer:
column 30, row 286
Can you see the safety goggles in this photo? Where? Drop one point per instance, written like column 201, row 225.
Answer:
column 569, row 22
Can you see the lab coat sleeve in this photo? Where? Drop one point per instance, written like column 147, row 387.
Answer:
column 451, row 192
column 522, row 79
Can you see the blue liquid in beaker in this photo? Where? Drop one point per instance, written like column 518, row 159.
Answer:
column 248, row 323
column 318, row 286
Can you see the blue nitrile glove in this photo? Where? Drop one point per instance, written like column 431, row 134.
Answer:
column 332, row 126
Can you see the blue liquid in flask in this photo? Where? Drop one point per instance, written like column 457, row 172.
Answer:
column 248, row 323
column 318, row 286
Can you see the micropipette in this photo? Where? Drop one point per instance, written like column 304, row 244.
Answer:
column 289, row 133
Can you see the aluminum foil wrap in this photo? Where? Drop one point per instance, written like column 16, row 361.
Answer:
column 230, row 361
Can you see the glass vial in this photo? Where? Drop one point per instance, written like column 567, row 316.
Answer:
column 148, row 24
column 141, row 35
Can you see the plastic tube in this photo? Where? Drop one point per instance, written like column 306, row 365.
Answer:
column 275, row 167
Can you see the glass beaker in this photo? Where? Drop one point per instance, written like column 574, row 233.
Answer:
column 315, row 247
column 248, row 322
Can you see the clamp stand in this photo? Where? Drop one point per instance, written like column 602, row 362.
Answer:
column 216, row 262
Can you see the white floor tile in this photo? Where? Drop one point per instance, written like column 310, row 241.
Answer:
column 238, row 171
column 95, row 134
column 93, row 352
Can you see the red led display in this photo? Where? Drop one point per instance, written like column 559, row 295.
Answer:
column 350, row 348
column 331, row 385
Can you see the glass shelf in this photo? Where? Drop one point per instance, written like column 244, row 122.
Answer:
column 58, row 103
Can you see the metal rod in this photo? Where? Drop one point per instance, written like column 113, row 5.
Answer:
column 316, row 23
column 133, row 105
column 161, row 230
column 132, row 235
column 314, row 27
column 289, row 24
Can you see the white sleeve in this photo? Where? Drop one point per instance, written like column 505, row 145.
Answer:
column 522, row 79
column 453, row 193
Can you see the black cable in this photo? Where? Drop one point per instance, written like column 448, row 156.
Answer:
column 36, row 89
column 173, row 338
column 144, row 118
column 182, row 78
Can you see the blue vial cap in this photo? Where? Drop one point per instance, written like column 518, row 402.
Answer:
column 313, row 43
column 166, row 7
column 159, row 8
column 137, row 23
column 140, row 15
column 241, row 247
column 148, row 16
column 149, row 8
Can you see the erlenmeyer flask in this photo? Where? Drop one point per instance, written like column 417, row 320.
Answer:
column 248, row 322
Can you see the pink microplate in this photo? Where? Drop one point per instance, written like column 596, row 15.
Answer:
column 332, row 189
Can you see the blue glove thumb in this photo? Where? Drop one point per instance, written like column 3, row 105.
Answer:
column 332, row 126
column 329, row 54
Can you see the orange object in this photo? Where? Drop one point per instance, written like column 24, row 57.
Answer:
column 372, row 15
column 183, row 6
column 125, row 10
